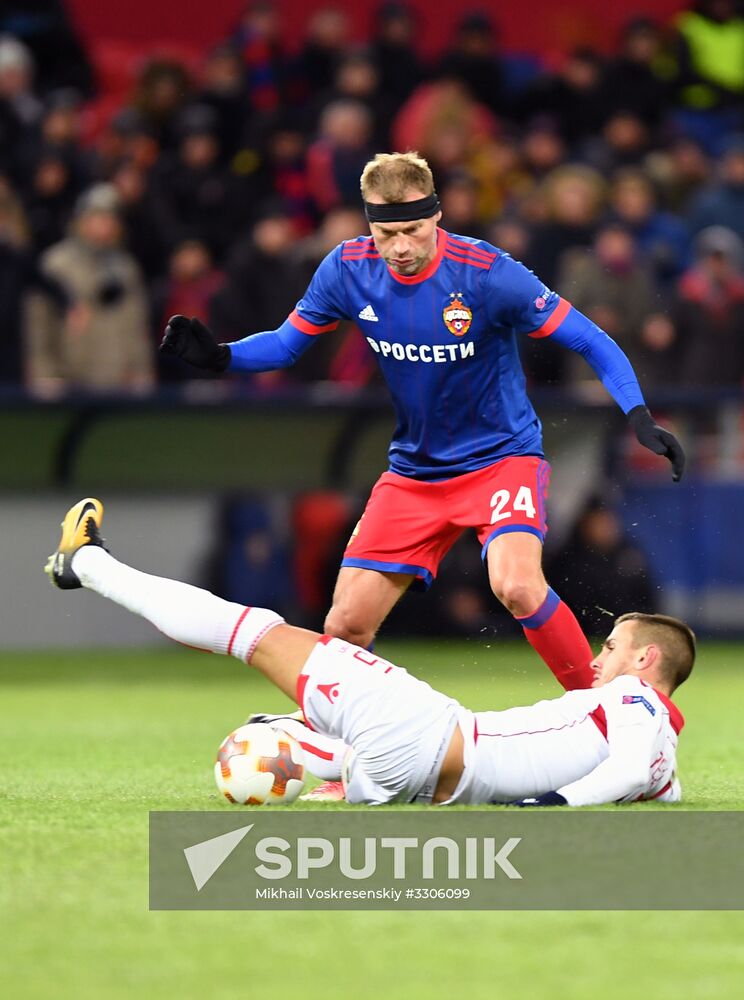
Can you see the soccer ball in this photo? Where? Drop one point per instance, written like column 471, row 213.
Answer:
column 257, row 765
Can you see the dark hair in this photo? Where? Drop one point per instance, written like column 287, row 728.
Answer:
column 674, row 638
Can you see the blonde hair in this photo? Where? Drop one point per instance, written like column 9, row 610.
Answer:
column 392, row 176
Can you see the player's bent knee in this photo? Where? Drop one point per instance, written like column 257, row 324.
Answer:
column 345, row 624
column 521, row 596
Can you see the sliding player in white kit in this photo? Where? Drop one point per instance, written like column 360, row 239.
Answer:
column 614, row 740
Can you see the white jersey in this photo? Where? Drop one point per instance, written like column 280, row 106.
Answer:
column 396, row 727
column 615, row 743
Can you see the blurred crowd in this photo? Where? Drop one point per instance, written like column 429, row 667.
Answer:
column 215, row 186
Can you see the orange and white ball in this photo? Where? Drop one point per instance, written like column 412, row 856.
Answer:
column 259, row 765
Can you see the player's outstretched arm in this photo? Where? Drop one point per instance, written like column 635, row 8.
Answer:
column 195, row 343
column 615, row 371
column 319, row 311
column 622, row 777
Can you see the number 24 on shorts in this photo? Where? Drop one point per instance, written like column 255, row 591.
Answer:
column 503, row 508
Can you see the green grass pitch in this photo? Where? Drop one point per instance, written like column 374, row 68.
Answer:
column 92, row 741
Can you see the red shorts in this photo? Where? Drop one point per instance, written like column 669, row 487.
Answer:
column 408, row 526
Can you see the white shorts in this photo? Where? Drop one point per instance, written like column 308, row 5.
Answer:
column 398, row 727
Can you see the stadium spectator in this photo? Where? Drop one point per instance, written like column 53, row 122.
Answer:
column 632, row 80
column 261, row 284
column 678, row 171
column 512, row 236
column 19, row 274
column 707, row 62
column 438, row 114
column 46, row 29
column 357, row 79
column 49, row 197
column 325, row 45
column 600, row 570
column 474, row 60
column 140, row 214
column 103, row 342
column 225, row 91
column 573, row 196
column 708, row 52
column 393, row 48
column 661, row 237
column 708, row 312
column 721, row 202
column 20, row 108
column 562, row 214
column 656, row 353
column 258, row 38
column 127, row 138
column 189, row 288
column 623, row 141
column 337, row 157
column 611, row 286
column 195, row 194
column 280, row 170
column 542, row 148
column 459, row 198
column 59, row 137
column 163, row 89
column 497, row 171
column 572, row 96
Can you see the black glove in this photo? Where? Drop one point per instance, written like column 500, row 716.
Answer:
column 548, row 799
column 191, row 340
column 655, row 438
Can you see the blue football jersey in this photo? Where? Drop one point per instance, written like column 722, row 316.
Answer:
column 447, row 343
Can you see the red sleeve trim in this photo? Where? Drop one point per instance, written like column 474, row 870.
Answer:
column 553, row 321
column 304, row 327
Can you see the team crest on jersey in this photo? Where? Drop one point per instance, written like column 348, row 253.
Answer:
column 457, row 315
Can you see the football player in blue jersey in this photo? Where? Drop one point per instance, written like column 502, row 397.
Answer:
column 443, row 315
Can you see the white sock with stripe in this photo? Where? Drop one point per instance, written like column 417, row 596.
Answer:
column 187, row 614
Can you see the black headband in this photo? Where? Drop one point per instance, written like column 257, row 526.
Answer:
column 402, row 211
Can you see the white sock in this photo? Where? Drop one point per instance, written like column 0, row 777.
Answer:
column 323, row 754
column 187, row 614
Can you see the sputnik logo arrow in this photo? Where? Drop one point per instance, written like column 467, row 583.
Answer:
column 206, row 857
